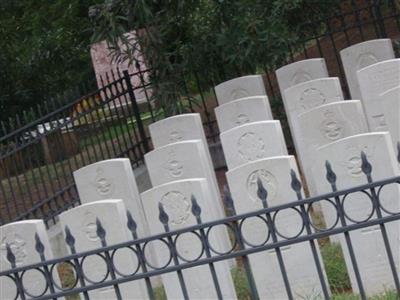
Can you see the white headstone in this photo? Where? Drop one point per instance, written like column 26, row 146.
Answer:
column 175, row 198
column 274, row 173
column 390, row 102
column 184, row 160
column 111, row 179
column 81, row 221
column 326, row 124
column 242, row 111
column 253, row 141
column 361, row 55
column 246, row 86
column 20, row 236
column 305, row 96
column 375, row 80
column 345, row 158
column 178, row 129
column 301, row 71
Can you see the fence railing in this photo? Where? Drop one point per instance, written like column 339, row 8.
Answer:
column 307, row 232
column 37, row 158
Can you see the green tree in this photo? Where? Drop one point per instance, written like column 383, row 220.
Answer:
column 44, row 50
column 217, row 40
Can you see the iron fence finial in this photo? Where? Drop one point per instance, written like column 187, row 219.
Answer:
column 196, row 209
column 39, row 245
column 10, row 255
column 262, row 192
column 330, row 174
column 69, row 238
column 295, row 183
column 100, row 231
column 163, row 217
column 366, row 167
column 132, row 226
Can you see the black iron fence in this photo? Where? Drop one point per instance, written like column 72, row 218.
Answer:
column 37, row 158
column 309, row 232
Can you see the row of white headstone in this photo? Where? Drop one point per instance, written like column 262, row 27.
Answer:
column 323, row 127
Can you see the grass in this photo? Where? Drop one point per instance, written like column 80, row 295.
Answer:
column 335, row 268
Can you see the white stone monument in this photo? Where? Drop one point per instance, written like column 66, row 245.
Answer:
column 275, row 175
column 240, row 87
column 178, row 129
column 20, row 237
column 184, row 160
column 375, row 80
column 175, row 197
column 361, row 55
column 253, row 141
column 305, row 96
column 326, row 124
column 301, row 71
column 242, row 111
column 112, row 179
column 390, row 102
column 344, row 157
column 81, row 222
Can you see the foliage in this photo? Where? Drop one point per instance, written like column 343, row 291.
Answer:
column 335, row 268
column 44, row 50
column 216, row 40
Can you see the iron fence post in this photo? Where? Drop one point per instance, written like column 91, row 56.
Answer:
column 136, row 111
column 379, row 19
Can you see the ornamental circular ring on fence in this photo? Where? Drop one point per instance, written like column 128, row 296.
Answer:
column 86, row 258
column 213, row 249
column 347, row 215
column 181, row 249
column 297, row 213
column 5, row 285
column 381, row 197
column 168, row 261
column 55, row 280
column 116, row 269
column 255, row 230
column 310, row 217
column 42, row 273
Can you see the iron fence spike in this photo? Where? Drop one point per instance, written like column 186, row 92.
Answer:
column 262, row 193
column 196, row 209
column 365, row 165
column 69, row 238
column 10, row 255
column 330, row 174
column 295, row 183
column 100, row 231
column 131, row 222
column 39, row 245
column 163, row 217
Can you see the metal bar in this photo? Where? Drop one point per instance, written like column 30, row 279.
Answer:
column 367, row 170
column 262, row 195
column 136, row 110
column 296, row 186
column 331, row 177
